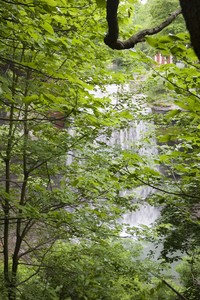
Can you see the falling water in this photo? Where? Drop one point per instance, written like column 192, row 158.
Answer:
column 140, row 137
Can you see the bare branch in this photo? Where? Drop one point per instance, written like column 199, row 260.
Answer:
column 111, row 39
column 38, row 246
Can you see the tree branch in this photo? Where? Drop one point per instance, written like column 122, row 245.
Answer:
column 174, row 290
column 111, row 38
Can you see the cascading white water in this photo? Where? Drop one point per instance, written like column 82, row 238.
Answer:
column 140, row 138
column 146, row 214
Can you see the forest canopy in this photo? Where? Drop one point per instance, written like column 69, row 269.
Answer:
column 93, row 141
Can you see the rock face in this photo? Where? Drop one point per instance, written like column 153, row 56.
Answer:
column 196, row 211
column 164, row 109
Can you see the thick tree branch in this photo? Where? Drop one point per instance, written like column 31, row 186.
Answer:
column 111, row 39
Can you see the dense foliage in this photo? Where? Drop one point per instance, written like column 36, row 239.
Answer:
column 64, row 167
column 178, row 136
column 48, row 116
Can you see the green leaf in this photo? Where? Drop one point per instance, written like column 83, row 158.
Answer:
column 48, row 27
column 52, row 3
column 101, row 3
column 29, row 99
column 151, row 41
column 60, row 19
column 173, row 113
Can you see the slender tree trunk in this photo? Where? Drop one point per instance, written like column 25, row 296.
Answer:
column 10, row 269
column 6, row 228
column 6, row 206
column 19, row 229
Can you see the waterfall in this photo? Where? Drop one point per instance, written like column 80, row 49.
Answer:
column 139, row 137
column 146, row 214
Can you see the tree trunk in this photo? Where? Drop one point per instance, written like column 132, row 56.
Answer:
column 6, row 207
column 191, row 14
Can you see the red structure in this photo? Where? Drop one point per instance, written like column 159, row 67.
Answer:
column 163, row 60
